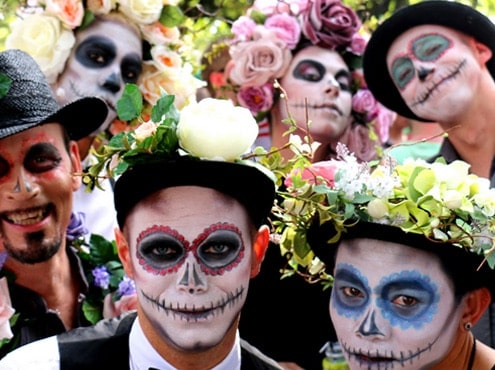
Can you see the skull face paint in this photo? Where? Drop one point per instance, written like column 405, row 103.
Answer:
column 191, row 258
column 106, row 56
column 392, row 306
column 435, row 70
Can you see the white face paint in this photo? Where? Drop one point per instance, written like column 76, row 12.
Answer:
column 392, row 306
column 191, row 253
column 318, row 86
column 106, row 56
column 435, row 71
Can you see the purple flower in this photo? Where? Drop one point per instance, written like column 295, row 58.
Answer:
column 3, row 258
column 76, row 228
column 126, row 287
column 330, row 24
column 102, row 277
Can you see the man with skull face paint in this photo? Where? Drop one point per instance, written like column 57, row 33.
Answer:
column 191, row 238
column 433, row 61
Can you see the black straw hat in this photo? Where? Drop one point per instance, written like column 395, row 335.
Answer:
column 254, row 189
column 438, row 12
column 30, row 102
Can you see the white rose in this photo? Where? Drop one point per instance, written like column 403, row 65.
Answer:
column 141, row 11
column 216, row 129
column 45, row 39
column 101, row 6
column 6, row 310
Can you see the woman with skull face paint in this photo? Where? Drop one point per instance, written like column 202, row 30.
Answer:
column 95, row 49
column 317, row 68
column 410, row 248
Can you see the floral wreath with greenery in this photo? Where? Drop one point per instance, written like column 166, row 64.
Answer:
column 263, row 42
column 45, row 30
column 441, row 201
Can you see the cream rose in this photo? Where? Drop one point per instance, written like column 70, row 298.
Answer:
column 145, row 130
column 141, row 11
column 216, row 129
column 101, row 6
column 44, row 38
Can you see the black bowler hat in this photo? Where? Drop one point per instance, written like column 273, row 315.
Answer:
column 248, row 184
column 437, row 12
column 30, row 102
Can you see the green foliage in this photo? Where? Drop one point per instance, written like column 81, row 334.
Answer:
column 5, row 83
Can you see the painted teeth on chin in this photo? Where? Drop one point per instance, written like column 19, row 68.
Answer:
column 26, row 217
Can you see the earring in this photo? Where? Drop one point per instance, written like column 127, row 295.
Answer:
column 467, row 326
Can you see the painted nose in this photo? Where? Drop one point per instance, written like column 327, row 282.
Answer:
column 192, row 279
column 369, row 326
column 112, row 83
column 21, row 186
column 424, row 72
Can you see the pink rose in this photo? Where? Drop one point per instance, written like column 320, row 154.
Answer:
column 269, row 7
column 259, row 61
column 124, row 304
column 358, row 44
column 330, row 24
column 383, row 121
column 317, row 173
column 357, row 139
column 6, row 310
column 243, row 29
column 363, row 101
column 256, row 98
column 286, row 28
column 70, row 12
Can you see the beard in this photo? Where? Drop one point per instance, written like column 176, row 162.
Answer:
column 40, row 250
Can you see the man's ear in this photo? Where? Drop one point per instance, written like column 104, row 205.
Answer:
column 260, row 244
column 482, row 52
column 476, row 303
column 76, row 165
column 124, row 253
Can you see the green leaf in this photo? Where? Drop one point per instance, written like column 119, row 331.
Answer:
column 162, row 107
column 91, row 312
column 130, row 105
column 171, row 16
column 5, row 83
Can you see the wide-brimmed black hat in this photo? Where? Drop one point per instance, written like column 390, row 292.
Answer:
column 438, row 12
column 253, row 188
column 30, row 101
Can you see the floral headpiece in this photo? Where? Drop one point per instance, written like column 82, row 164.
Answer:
column 442, row 202
column 264, row 40
column 212, row 129
column 45, row 30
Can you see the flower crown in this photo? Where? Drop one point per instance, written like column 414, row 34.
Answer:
column 45, row 30
column 264, row 39
column 227, row 134
column 440, row 201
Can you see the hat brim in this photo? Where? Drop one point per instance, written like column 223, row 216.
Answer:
column 245, row 183
column 81, row 117
column 444, row 13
